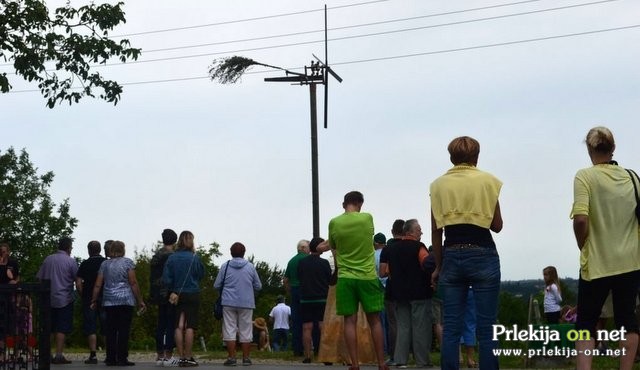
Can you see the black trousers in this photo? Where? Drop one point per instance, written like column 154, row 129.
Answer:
column 117, row 333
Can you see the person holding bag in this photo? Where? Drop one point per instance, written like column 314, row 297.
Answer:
column 606, row 231
column 238, row 303
column 182, row 275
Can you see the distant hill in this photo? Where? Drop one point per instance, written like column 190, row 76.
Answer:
column 525, row 288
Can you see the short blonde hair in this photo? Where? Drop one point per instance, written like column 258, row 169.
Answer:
column 116, row 249
column 464, row 149
column 600, row 139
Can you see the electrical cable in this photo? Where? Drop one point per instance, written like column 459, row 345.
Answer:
column 546, row 38
column 191, row 56
column 339, row 38
column 249, row 19
column 379, row 23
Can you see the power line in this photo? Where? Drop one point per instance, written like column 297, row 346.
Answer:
column 488, row 45
column 384, row 22
column 344, row 37
column 538, row 39
column 379, row 23
column 348, row 37
column 250, row 19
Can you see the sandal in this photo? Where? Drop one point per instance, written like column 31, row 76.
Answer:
column 471, row 364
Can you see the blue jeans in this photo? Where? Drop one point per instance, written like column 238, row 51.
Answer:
column 478, row 268
column 279, row 340
column 469, row 329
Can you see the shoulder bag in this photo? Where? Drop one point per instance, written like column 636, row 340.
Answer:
column 217, row 308
column 634, row 176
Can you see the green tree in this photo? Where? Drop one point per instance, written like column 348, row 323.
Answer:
column 512, row 310
column 29, row 220
column 71, row 38
column 272, row 286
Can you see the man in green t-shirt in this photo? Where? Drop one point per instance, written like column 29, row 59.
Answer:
column 351, row 238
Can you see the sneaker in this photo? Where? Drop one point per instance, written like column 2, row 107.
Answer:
column 306, row 361
column 191, row 362
column 402, row 366
column 160, row 361
column 230, row 362
column 246, row 362
column 170, row 362
column 390, row 362
column 91, row 361
column 60, row 360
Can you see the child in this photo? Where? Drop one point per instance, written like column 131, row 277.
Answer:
column 552, row 297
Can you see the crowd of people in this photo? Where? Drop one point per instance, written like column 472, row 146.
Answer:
column 399, row 291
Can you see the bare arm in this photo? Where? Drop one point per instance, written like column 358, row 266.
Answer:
column 79, row 285
column 496, row 223
column 581, row 229
column 384, row 269
column 287, row 287
column 135, row 288
column 436, row 243
column 323, row 247
column 96, row 290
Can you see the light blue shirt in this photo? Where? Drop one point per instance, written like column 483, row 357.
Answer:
column 116, row 290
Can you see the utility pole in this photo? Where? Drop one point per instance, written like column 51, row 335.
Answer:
column 229, row 70
column 313, row 75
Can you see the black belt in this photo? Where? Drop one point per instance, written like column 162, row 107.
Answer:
column 462, row 246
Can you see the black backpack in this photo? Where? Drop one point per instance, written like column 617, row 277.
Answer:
column 159, row 292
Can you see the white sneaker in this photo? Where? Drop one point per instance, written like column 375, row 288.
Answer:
column 171, row 362
column 160, row 361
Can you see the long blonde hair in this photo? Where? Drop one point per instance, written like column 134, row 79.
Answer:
column 553, row 276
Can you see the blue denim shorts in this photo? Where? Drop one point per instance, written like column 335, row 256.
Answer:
column 90, row 319
column 62, row 319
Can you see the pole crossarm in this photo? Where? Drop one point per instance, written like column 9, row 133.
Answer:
column 303, row 79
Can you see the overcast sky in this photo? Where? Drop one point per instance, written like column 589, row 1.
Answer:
column 232, row 162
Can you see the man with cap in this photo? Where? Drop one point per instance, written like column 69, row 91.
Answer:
column 279, row 316
column 159, row 295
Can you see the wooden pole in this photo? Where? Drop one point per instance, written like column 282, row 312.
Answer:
column 314, row 161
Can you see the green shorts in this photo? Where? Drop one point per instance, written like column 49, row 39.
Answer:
column 351, row 292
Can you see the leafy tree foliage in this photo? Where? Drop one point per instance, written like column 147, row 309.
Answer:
column 29, row 220
column 72, row 38
column 512, row 310
column 272, row 286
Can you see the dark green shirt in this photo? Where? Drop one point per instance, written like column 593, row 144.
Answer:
column 292, row 269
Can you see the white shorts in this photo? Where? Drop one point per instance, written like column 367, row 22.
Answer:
column 237, row 324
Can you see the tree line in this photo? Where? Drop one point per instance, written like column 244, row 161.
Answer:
column 32, row 223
